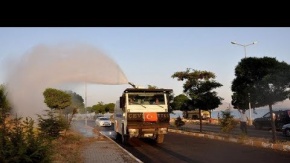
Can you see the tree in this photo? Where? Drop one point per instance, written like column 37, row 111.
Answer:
column 199, row 87
column 110, row 107
column 103, row 108
column 89, row 109
column 56, row 99
column 18, row 140
column 170, row 98
column 77, row 100
column 4, row 104
column 179, row 103
column 4, row 129
column 261, row 81
column 76, row 105
column 152, row 87
column 99, row 108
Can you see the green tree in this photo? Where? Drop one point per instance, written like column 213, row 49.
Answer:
column 18, row 140
column 4, row 130
column 199, row 87
column 56, row 99
column 4, row 104
column 179, row 103
column 50, row 124
column 76, row 99
column 99, row 108
column 261, row 81
column 76, row 105
column 110, row 107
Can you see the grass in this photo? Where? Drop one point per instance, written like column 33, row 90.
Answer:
column 68, row 148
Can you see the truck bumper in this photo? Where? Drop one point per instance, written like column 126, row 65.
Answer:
column 147, row 129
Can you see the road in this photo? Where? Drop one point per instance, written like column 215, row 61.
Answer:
column 252, row 132
column 184, row 148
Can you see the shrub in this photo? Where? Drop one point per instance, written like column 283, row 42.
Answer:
column 21, row 143
column 53, row 125
column 227, row 122
column 178, row 122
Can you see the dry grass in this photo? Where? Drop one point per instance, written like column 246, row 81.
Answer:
column 68, row 148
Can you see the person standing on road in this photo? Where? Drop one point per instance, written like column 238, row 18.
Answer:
column 243, row 121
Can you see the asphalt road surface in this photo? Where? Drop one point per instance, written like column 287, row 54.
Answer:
column 184, row 148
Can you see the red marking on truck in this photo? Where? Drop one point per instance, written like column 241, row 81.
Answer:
column 150, row 116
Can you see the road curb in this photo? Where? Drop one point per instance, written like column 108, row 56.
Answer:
column 130, row 154
column 280, row 147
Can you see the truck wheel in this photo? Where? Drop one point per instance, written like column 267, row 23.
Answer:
column 118, row 136
column 160, row 138
column 125, row 138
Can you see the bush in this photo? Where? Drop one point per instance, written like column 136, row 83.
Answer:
column 227, row 122
column 53, row 125
column 19, row 142
column 178, row 122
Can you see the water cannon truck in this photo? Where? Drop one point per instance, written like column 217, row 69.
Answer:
column 142, row 113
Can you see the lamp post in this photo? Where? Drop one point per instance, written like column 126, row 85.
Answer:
column 245, row 46
column 255, row 42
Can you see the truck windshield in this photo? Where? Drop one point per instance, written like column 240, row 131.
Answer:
column 146, row 99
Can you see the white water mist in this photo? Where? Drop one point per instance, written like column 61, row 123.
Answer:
column 50, row 66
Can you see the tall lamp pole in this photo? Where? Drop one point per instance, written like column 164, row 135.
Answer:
column 250, row 109
column 245, row 46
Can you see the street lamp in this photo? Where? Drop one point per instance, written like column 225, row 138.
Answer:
column 255, row 42
column 245, row 46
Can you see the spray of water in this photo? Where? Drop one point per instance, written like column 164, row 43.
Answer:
column 50, row 66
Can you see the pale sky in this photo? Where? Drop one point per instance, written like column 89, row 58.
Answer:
column 150, row 55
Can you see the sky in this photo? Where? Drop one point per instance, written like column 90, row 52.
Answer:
column 146, row 55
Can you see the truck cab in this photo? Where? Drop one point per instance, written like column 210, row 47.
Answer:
column 142, row 113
